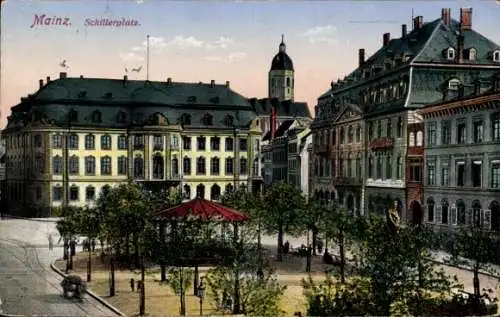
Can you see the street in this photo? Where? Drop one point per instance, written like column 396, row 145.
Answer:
column 28, row 286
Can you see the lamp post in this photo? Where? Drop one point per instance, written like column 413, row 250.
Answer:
column 201, row 294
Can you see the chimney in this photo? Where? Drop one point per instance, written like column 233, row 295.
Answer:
column 227, row 84
column 465, row 19
column 332, row 84
column 460, row 48
column 386, row 39
column 81, row 76
column 41, row 83
column 62, row 75
column 273, row 122
column 446, row 16
column 48, row 79
column 212, row 83
column 403, row 31
column 125, row 78
column 361, row 57
column 169, row 80
column 418, row 22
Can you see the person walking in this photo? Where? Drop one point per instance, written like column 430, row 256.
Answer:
column 51, row 243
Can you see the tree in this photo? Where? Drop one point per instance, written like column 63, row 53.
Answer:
column 180, row 279
column 474, row 244
column 284, row 206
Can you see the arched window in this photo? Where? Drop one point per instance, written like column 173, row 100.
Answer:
column 106, row 165
column 430, row 209
column 411, row 139
column 461, row 214
column 175, row 167
column 215, row 192
column 90, row 193
column 444, row 211
column 379, row 167
column 399, row 169
column 495, row 215
column 106, row 142
column 243, row 166
column 316, row 167
column 420, row 138
column 89, row 165
column 450, row 54
column 158, row 167
column 186, row 163
column 389, row 128
column 400, row 127
column 138, row 167
column 388, row 167
column 454, row 84
column 229, row 188
column 370, row 167
column 476, row 213
column 74, row 165
column 288, row 84
column 214, row 166
column 57, row 165
column 96, row 117
column 89, row 142
column 472, row 54
column 187, row 192
column 201, row 166
column 200, row 191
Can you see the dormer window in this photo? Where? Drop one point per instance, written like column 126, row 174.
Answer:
column 82, row 94
column 96, row 116
column 496, row 56
column 207, row 119
column 454, row 84
column 450, row 54
column 229, row 121
column 121, row 117
column 186, row 119
column 472, row 54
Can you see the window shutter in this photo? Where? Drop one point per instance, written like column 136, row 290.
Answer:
column 469, row 218
column 486, row 219
column 438, row 213
column 453, row 216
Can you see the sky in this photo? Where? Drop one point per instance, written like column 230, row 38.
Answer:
column 195, row 41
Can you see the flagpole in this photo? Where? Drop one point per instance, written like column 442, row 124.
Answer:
column 147, row 58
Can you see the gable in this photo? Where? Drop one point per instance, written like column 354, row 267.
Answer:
column 157, row 119
column 349, row 112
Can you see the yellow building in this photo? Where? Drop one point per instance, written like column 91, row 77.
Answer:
column 75, row 136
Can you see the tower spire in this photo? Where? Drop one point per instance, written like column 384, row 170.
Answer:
column 282, row 38
column 282, row 47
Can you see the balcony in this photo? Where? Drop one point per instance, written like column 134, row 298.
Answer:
column 174, row 146
column 347, row 181
column 321, row 149
column 381, row 144
column 175, row 177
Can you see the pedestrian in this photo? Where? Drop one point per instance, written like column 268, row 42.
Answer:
column 139, row 286
column 51, row 243
column 72, row 246
column 308, row 259
column 93, row 245
column 132, row 284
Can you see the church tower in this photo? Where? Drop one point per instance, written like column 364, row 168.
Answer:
column 281, row 75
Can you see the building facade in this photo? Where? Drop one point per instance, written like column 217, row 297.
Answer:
column 75, row 136
column 404, row 75
column 462, row 160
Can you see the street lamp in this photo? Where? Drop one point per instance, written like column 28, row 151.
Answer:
column 201, row 294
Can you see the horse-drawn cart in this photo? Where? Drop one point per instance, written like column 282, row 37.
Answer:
column 73, row 287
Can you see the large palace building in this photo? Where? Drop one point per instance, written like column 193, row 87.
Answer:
column 74, row 136
column 368, row 138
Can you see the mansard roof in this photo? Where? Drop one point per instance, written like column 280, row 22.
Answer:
column 286, row 108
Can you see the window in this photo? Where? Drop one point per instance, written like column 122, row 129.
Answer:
column 229, row 144
column 430, row 210
column 461, row 132
column 496, row 56
column 106, row 142
column 57, row 193
column 454, row 84
column 229, row 121
column 215, row 143
column 495, row 129
column 158, row 142
column 200, row 143
column 431, row 174
column 74, row 166
column 431, row 134
column 243, row 145
column 73, row 193
column 57, row 165
column 215, row 192
column 138, row 167
column 174, row 142
column 472, row 54
column 370, row 167
column 57, row 141
column 186, row 166
column 138, row 142
column 478, row 131
column 388, row 167
column 89, row 142
column 39, row 163
column 200, row 166
column 342, row 135
column 90, row 193
column 89, row 165
column 349, row 168
column 370, row 131
column 229, row 166
column 450, row 54
column 460, row 173
column 38, row 140
column 186, row 119
column 358, row 169
column 175, row 167
column 476, row 173
column 73, row 141
column 186, row 143
column 207, row 119
column 122, row 165
column 243, row 166
column 399, row 171
column 96, row 116
column 358, row 134
column 215, row 166
column 122, row 142
column 389, row 128
column 379, row 129
column 158, row 167
column 106, row 165
column 446, row 132
column 444, row 211
column 379, row 167
column 411, row 139
column 200, row 191
column 495, row 175
column 187, row 191
column 400, row 127
column 445, row 176
column 415, row 171
column 350, row 134
column 461, row 219
column 420, row 138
